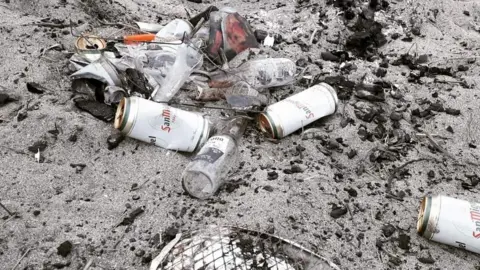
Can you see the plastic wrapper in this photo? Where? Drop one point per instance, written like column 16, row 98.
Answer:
column 230, row 33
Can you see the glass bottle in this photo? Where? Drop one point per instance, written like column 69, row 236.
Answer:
column 207, row 171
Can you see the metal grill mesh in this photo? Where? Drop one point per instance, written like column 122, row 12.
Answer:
column 232, row 248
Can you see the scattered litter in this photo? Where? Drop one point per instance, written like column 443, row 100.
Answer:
column 97, row 109
column 149, row 27
column 229, row 33
column 207, row 171
column 295, row 112
column 38, row 156
column 161, row 125
column 35, row 88
column 450, row 221
column 128, row 220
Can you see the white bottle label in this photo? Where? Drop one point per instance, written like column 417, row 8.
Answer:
column 213, row 149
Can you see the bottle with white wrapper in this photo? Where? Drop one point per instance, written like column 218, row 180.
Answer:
column 207, row 171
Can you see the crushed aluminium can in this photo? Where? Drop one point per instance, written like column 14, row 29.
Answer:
column 162, row 125
column 90, row 48
column 102, row 70
column 297, row 111
column 450, row 221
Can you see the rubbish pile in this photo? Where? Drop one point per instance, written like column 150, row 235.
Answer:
column 133, row 79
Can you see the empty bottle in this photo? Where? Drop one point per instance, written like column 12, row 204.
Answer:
column 259, row 74
column 204, row 175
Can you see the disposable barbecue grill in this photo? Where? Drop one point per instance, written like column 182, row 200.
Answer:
column 229, row 248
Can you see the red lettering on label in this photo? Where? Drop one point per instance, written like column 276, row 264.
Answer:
column 310, row 115
column 167, row 129
column 476, row 235
column 475, row 216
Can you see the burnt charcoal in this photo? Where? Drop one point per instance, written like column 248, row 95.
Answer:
column 100, row 110
column 147, row 258
column 440, row 71
column 422, row 59
column 193, row 1
column 381, row 72
column 370, row 92
column 137, row 82
column 338, row 212
column 260, row 35
column 395, row 36
column 297, row 169
column 365, row 111
column 415, row 112
column 64, row 249
column 462, row 68
column 140, row 252
column 328, row 56
column 466, row 12
column 352, row 153
column 406, row 60
column 384, row 63
column 467, row 186
column 452, row 111
column 4, row 99
column 268, row 188
column 436, row 107
column 343, row 86
column 388, row 230
column 379, row 131
column 426, row 260
column 78, row 167
column 450, row 129
column 396, row 116
column 367, row 36
column 342, row 4
column 351, row 191
column 349, row 14
column 35, row 88
column 416, row 30
column 272, row 175
column 472, row 145
column 425, row 113
column 132, row 216
column 204, row 14
column 114, row 140
column 38, row 145
column 302, row 62
column 404, row 241
column 73, row 137
column 22, row 115
column 395, row 260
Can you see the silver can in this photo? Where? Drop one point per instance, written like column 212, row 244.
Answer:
column 297, row 111
column 162, row 125
column 450, row 221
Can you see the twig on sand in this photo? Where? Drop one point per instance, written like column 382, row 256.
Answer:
column 398, row 169
column 313, row 36
column 438, row 147
column 117, row 24
column 51, row 25
column 140, row 186
column 21, row 258
column 6, row 209
column 89, row 263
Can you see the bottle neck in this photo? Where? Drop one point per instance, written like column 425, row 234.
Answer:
column 234, row 127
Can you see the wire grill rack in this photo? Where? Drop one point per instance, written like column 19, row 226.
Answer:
column 233, row 248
